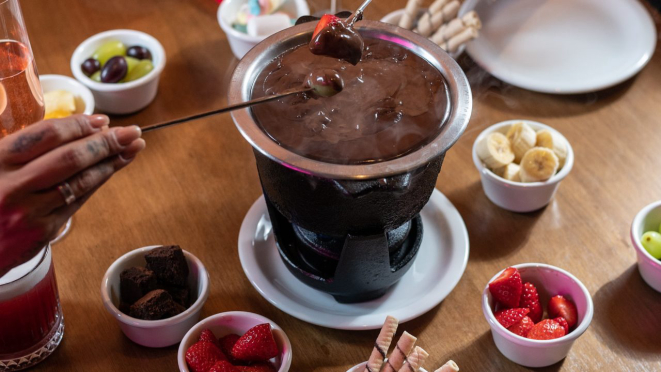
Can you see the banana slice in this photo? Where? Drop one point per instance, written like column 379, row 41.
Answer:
column 509, row 172
column 522, row 137
column 553, row 141
column 538, row 165
column 495, row 151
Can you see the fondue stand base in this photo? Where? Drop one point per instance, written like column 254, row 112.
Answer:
column 440, row 264
column 353, row 268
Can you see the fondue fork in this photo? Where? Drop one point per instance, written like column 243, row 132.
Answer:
column 241, row 105
column 359, row 12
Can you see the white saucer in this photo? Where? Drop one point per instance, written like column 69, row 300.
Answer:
column 563, row 46
column 440, row 263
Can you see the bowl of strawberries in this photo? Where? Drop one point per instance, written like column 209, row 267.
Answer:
column 536, row 312
column 235, row 341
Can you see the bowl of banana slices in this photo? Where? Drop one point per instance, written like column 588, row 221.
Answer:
column 521, row 163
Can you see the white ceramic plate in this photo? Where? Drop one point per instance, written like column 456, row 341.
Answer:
column 84, row 97
column 563, row 46
column 436, row 271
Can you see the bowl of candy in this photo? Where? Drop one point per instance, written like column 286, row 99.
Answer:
column 235, row 341
column 514, row 303
column 121, row 68
column 248, row 22
column 646, row 239
column 156, row 294
column 64, row 96
column 522, row 163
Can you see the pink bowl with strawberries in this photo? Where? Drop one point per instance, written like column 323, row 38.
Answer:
column 549, row 337
column 249, row 331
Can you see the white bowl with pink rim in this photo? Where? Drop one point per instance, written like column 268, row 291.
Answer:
column 240, row 42
column 155, row 333
column 237, row 322
column 121, row 98
column 549, row 281
column 520, row 196
column 648, row 219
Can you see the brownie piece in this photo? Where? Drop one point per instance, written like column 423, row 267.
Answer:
column 179, row 295
column 169, row 264
column 157, row 304
column 134, row 283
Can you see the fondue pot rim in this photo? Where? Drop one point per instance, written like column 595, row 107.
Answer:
column 262, row 54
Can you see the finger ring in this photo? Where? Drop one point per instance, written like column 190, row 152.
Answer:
column 67, row 193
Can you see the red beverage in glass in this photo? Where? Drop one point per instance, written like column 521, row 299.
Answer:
column 21, row 99
column 31, row 324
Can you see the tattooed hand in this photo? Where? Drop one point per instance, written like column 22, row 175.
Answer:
column 80, row 150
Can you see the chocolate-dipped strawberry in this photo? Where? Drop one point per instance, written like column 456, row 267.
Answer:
column 336, row 38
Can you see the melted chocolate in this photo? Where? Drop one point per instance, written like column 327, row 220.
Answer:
column 393, row 103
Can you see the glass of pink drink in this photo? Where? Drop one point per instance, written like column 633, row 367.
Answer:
column 31, row 323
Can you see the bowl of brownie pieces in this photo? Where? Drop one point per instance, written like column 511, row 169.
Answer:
column 156, row 293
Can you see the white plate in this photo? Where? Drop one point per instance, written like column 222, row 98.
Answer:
column 563, row 46
column 435, row 272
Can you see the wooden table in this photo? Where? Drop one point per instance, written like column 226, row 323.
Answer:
column 194, row 184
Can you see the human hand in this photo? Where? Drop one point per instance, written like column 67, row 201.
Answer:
column 48, row 171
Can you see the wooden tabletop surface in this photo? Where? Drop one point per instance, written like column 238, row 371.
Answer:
column 193, row 185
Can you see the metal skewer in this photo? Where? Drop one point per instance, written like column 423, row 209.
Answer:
column 359, row 12
column 228, row 108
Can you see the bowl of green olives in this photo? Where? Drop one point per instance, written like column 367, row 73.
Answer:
column 121, row 68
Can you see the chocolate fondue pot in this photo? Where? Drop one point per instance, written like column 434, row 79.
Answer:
column 348, row 230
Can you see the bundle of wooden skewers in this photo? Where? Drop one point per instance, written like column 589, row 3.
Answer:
column 405, row 357
column 441, row 23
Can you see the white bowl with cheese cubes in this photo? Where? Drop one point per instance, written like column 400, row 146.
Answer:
column 521, row 163
column 64, row 96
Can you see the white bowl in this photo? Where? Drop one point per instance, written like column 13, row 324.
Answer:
column 238, row 322
column 121, row 98
column 648, row 219
column 240, row 42
column 155, row 333
column 549, row 281
column 84, row 97
column 394, row 17
column 520, row 196
column 361, row 367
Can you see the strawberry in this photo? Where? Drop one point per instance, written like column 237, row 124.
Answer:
column 259, row 367
column 208, row 336
column 323, row 22
column 507, row 287
column 530, row 299
column 226, row 345
column 256, row 345
column 547, row 329
column 563, row 323
column 510, row 317
column 223, row 366
column 560, row 306
column 523, row 327
column 202, row 355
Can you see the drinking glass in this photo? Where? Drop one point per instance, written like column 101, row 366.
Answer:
column 31, row 322
column 21, row 97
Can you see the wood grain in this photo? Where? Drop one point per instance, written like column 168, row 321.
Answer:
column 193, row 185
